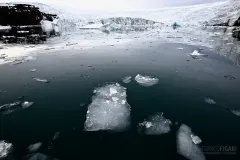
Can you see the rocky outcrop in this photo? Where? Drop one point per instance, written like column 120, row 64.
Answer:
column 24, row 23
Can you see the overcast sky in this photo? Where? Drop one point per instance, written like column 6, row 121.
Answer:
column 117, row 4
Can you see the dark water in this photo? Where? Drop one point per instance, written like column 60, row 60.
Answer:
column 180, row 94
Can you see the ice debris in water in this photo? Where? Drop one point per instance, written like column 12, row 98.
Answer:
column 209, row 100
column 29, row 58
column 196, row 54
column 196, row 139
column 185, row 145
column 5, row 149
column 34, row 147
column 180, row 48
column 33, row 70
column 155, row 125
column 27, row 104
column 127, row 79
column 41, row 80
column 38, row 156
column 56, row 136
column 109, row 109
column 146, row 81
column 235, row 111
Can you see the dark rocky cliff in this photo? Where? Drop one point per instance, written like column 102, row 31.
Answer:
column 24, row 23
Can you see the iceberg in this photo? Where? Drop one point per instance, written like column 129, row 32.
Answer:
column 146, row 81
column 5, row 149
column 155, row 125
column 109, row 109
column 186, row 146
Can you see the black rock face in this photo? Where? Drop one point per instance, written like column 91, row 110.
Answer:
column 25, row 23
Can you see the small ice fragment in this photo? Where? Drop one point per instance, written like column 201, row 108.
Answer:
column 209, row 100
column 196, row 53
column 5, row 149
column 41, row 80
column 180, row 48
column 196, row 139
column 185, row 145
column 230, row 77
column 127, row 79
column 29, row 58
column 235, row 111
column 27, row 104
column 56, row 136
column 155, row 125
column 34, row 147
column 82, row 104
column 16, row 62
column 33, row 70
column 146, row 81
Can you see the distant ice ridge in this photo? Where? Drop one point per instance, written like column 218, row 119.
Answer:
column 109, row 109
column 155, row 125
column 146, row 81
column 5, row 149
column 187, row 144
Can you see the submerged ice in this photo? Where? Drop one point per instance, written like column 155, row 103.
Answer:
column 146, row 81
column 187, row 144
column 155, row 125
column 42, row 80
column 127, row 79
column 34, row 147
column 109, row 109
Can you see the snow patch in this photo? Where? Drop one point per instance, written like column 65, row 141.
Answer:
column 109, row 109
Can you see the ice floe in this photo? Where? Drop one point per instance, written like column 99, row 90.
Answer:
column 5, row 149
column 186, row 145
column 109, row 109
column 127, row 79
column 42, row 80
column 155, row 125
column 146, row 81
column 38, row 156
column 210, row 100
column 34, row 147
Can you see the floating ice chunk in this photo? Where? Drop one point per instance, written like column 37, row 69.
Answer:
column 196, row 139
column 34, row 147
column 27, row 104
column 209, row 100
column 185, row 145
column 29, row 58
column 5, row 149
column 33, row 70
column 235, row 111
column 127, row 79
column 41, row 80
column 155, row 125
column 56, row 136
column 196, row 53
column 146, row 81
column 109, row 109
column 180, row 48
